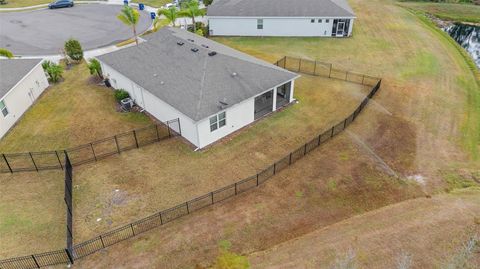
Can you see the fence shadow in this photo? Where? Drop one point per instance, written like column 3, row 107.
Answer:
column 160, row 218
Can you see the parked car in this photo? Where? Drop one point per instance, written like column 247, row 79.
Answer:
column 61, row 3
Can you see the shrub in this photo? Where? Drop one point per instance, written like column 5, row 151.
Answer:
column 3, row 2
column 54, row 71
column 121, row 94
column 73, row 49
column 95, row 67
column 6, row 53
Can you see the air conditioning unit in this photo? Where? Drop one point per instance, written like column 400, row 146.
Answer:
column 127, row 104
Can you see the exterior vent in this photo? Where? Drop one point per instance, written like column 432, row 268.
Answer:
column 212, row 53
column 180, row 43
column 194, row 49
column 205, row 46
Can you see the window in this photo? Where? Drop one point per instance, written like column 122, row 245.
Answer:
column 312, row 20
column 218, row 121
column 319, row 20
column 327, row 20
column 3, row 108
column 260, row 24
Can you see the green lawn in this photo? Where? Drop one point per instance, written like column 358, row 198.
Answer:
column 448, row 11
column 153, row 3
column 72, row 112
column 24, row 3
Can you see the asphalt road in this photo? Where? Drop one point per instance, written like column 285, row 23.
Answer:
column 43, row 32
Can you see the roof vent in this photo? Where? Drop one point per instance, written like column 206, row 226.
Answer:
column 234, row 74
column 194, row 49
column 212, row 53
column 191, row 40
column 180, row 43
column 205, row 46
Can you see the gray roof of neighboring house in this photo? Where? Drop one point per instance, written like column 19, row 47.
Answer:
column 280, row 8
column 194, row 82
column 12, row 71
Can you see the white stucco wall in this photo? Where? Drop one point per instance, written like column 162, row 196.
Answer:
column 158, row 108
column 247, row 26
column 237, row 117
column 22, row 96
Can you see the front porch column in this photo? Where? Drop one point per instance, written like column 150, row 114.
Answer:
column 292, row 87
column 274, row 106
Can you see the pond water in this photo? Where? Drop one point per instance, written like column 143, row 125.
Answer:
column 468, row 36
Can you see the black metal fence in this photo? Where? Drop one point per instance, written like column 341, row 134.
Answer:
column 69, row 204
column 91, row 152
column 160, row 218
column 322, row 69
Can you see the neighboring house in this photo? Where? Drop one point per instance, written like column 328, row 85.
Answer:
column 280, row 18
column 214, row 90
column 21, row 83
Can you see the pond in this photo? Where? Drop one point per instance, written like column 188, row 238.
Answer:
column 468, row 36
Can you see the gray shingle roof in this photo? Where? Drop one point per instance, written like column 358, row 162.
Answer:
column 12, row 71
column 194, row 82
column 280, row 8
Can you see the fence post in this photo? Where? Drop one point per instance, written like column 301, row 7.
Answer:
column 161, row 220
column 305, row 149
column 33, row 161
column 330, row 73
column 93, row 151
column 168, row 127
column 346, row 75
column 133, row 231
column 257, row 179
column 35, row 260
column 135, row 136
column 290, row 160
column 116, row 143
column 212, row 197
column 188, row 210
column 274, row 168
column 299, row 64
column 319, row 139
column 158, row 135
column 333, row 128
column 235, row 188
column 285, row 62
column 9, row 168
column 363, row 80
column 58, row 158
column 101, row 239
column 345, row 123
column 69, row 255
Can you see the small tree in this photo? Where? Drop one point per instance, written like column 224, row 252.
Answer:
column 6, row 53
column 171, row 14
column 130, row 17
column 192, row 9
column 95, row 67
column 73, row 49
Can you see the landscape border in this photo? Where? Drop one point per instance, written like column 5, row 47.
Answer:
column 81, row 250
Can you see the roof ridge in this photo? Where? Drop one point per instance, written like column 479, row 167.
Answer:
column 202, row 84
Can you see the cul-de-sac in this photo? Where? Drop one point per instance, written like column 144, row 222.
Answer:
column 238, row 134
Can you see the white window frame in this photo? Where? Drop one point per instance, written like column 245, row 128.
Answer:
column 4, row 109
column 218, row 121
column 259, row 24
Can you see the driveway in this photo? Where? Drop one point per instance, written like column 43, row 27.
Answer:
column 43, row 32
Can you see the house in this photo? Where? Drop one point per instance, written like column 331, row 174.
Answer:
column 214, row 90
column 318, row 18
column 21, row 83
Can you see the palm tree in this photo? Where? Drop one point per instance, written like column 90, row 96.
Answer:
column 191, row 9
column 171, row 14
column 129, row 17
